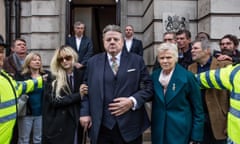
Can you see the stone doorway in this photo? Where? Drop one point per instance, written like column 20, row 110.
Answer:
column 96, row 15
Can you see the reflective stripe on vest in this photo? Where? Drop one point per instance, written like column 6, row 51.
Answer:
column 8, row 117
column 207, row 75
column 233, row 73
column 7, row 103
column 235, row 96
column 218, row 80
column 234, row 112
column 24, row 86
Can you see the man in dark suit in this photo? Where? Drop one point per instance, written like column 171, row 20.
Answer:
column 132, row 44
column 117, row 92
column 81, row 44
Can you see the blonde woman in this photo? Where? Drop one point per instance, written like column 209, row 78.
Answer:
column 62, row 101
column 32, row 122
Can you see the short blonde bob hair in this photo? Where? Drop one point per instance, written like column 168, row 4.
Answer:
column 169, row 47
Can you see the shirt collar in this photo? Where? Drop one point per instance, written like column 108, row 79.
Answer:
column 78, row 38
column 129, row 39
column 71, row 74
column 118, row 56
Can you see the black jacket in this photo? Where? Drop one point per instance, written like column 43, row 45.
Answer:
column 61, row 117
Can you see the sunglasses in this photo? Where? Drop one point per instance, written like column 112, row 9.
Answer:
column 67, row 58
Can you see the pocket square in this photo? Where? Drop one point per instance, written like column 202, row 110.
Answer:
column 130, row 70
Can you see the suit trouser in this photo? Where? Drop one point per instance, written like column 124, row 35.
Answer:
column 113, row 136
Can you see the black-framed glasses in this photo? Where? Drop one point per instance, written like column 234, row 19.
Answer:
column 67, row 58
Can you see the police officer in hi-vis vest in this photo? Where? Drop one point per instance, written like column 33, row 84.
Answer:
column 227, row 78
column 10, row 90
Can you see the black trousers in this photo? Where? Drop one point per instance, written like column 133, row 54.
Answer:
column 108, row 136
column 208, row 133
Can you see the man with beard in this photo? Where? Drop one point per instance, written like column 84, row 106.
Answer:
column 229, row 48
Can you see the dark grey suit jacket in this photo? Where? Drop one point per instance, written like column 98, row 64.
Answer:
column 85, row 50
column 132, row 80
column 136, row 47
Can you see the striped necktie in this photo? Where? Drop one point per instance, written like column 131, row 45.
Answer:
column 114, row 65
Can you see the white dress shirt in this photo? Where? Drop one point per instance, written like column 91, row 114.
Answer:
column 78, row 42
column 128, row 43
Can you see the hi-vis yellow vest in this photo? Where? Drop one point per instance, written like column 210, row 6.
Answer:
column 8, row 102
column 227, row 78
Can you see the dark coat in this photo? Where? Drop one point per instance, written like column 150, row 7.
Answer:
column 61, row 117
column 217, row 102
column 177, row 116
column 132, row 79
column 137, row 47
column 186, row 60
column 85, row 50
column 10, row 67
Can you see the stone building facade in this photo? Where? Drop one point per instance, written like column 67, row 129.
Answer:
column 46, row 23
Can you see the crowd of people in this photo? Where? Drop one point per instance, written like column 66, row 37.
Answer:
column 194, row 89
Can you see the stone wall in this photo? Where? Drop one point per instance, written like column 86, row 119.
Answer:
column 43, row 21
column 219, row 18
column 43, row 26
column 216, row 17
column 2, row 16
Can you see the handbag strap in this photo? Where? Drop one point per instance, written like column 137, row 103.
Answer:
column 14, row 91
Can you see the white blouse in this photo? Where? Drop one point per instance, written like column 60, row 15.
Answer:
column 164, row 79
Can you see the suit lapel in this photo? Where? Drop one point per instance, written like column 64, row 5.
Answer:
column 81, row 46
column 175, row 84
column 158, row 87
column 101, row 67
column 121, row 74
column 133, row 45
column 74, row 43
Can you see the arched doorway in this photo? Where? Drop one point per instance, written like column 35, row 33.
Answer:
column 96, row 15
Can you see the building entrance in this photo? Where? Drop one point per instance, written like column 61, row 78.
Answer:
column 96, row 15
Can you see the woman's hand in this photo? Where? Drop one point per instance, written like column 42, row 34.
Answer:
column 83, row 90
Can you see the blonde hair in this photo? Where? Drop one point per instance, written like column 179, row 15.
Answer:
column 26, row 65
column 169, row 46
column 58, row 71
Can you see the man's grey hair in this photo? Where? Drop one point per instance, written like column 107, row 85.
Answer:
column 77, row 23
column 205, row 44
column 108, row 28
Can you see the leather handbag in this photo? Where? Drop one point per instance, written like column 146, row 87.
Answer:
column 22, row 105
